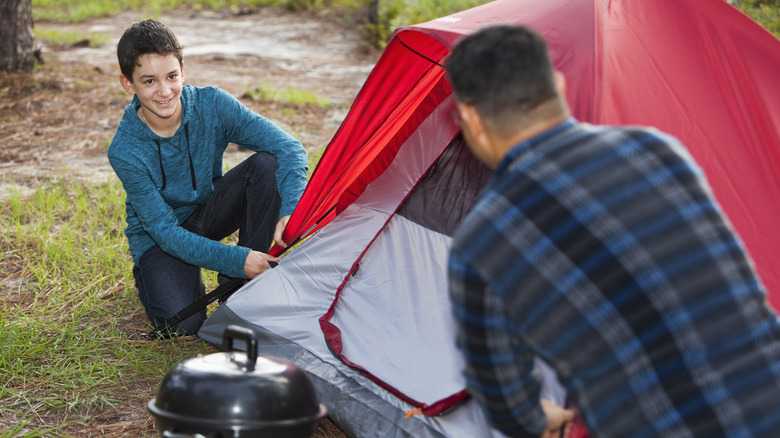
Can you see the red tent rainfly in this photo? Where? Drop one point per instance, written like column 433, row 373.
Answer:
column 363, row 304
column 697, row 69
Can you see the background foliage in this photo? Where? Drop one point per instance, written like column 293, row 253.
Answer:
column 377, row 17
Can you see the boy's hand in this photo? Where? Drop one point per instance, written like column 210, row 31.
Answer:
column 256, row 263
column 280, row 226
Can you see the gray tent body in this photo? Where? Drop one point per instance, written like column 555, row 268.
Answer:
column 392, row 312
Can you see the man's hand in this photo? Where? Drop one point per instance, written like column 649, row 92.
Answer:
column 558, row 419
column 257, row 262
column 280, row 226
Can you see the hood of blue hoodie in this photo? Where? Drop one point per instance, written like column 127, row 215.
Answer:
column 175, row 161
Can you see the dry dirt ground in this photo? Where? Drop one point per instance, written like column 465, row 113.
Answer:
column 59, row 120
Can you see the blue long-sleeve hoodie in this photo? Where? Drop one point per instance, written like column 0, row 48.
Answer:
column 188, row 165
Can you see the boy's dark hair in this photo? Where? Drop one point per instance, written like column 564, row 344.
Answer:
column 503, row 71
column 148, row 36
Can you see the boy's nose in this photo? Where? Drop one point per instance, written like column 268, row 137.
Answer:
column 164, row 88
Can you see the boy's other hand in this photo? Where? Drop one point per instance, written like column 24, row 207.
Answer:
column 256, row 263
column 280, row 226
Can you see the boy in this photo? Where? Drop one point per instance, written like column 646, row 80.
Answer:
column 168, row 151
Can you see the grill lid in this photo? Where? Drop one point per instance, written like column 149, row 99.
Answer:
column 234, row 390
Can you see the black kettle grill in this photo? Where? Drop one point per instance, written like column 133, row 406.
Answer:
column 236, row 394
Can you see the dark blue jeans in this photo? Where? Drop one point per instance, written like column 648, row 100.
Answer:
column 245, row 199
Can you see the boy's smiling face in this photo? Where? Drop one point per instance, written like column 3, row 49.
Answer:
column 157, row 80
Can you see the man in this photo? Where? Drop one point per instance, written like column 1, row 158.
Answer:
column 168, row 154
column 602, row 251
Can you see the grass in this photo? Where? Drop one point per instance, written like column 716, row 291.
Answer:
column 64, row 38
column 286, row 96
column 69, row 322
column 767, row 15
column 70, row 11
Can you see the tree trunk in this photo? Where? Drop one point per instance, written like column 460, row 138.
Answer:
column 16, row 38
column 373, row 12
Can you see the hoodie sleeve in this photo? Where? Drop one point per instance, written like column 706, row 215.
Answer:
column 250, row 130
column 161, row 224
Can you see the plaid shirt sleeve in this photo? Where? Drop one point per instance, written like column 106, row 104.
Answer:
column 499, row 366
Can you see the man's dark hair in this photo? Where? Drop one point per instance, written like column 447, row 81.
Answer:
column 148, row 36
column 503, row 71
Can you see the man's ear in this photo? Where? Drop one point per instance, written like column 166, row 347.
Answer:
column 560, row 83
column 127, row 84
column 472, row 121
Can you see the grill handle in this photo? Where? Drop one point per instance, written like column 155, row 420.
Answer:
column 233, row 332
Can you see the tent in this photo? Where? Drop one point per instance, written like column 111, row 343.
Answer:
column 362, row 304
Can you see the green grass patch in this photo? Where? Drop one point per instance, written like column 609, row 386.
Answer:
column 65, row 38
column 290, row 96
column 70, row 316
column 72, row 11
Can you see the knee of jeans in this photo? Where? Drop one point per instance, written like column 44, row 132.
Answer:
column 264, row 164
